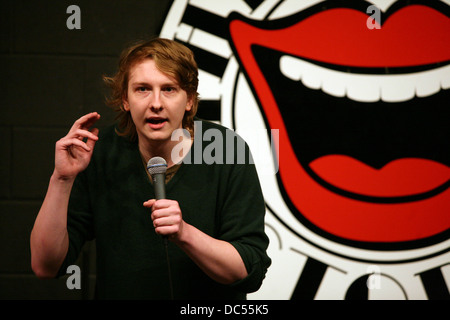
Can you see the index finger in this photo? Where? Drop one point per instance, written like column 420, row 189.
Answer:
column 163, row 203
column 86, row 121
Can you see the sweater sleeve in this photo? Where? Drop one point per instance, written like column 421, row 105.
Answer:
column 79, row 221
column 243, row 224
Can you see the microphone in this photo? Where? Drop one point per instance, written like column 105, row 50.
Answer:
column 157, row 167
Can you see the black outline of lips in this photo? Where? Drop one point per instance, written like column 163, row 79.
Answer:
column 278, row 24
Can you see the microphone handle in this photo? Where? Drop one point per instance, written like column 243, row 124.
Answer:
column 160, row 186
column 159, row 182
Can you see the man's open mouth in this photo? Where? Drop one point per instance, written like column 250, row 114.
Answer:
column 364, row 152
column 156, row 122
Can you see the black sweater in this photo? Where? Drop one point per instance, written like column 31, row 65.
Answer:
column 223, row 200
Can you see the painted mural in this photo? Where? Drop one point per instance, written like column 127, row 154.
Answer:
column 345, row 106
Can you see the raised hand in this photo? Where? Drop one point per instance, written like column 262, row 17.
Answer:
column 74, row 151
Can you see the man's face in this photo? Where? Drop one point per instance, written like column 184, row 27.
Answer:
column 156, row 102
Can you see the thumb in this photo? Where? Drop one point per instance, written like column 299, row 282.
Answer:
column 149, row 203
column 91, row 142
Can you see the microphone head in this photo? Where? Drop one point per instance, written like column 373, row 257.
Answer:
column 156, row 165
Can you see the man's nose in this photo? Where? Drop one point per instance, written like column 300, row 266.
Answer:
column 155, row 102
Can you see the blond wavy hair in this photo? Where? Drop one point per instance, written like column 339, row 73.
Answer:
column 171, row 58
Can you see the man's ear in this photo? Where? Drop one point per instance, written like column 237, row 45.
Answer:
column 189, row 104
column 126, row 105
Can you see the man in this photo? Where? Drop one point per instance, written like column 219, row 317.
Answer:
column 213, row 216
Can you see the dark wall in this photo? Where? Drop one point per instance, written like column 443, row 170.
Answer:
column 50, row 77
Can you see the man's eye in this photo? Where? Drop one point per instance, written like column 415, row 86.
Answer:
column 169, row 89
column 142, row 89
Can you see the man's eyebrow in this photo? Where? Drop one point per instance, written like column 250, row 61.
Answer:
column 140, row 83
column 164, row 84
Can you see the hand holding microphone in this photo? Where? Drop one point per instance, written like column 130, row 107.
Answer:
column 166, row 214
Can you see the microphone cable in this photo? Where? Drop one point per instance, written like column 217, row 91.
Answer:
column 169, row 271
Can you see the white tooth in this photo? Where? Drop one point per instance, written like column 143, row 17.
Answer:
column 396, row 88
column 366, row 87
column 291, row 67
column 429, row 86
column 360, row 88
column 332, row 86
column 445, row 80
column 311, row 81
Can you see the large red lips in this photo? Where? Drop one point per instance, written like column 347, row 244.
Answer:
column 413, row 36
column 399, row 178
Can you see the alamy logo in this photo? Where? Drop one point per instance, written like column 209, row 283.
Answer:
column 374, row 21
column 74, row 280
column 228, row 148
column 74, row 21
